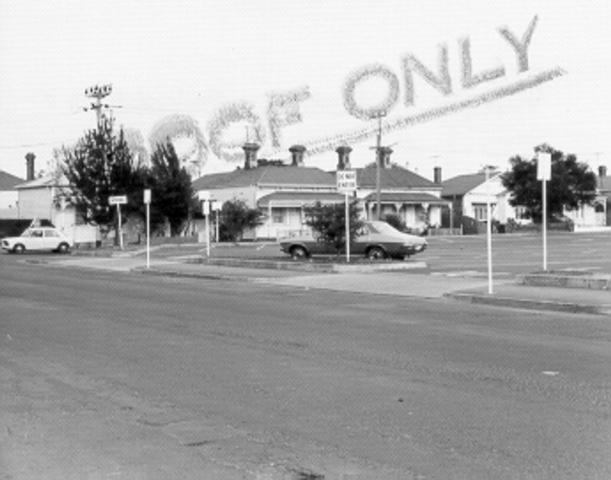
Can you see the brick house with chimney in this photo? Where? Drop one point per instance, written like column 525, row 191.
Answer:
column 42, row 198
column 282, row 191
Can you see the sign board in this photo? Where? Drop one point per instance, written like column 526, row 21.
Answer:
column 117, row 200
column 206, row 207
column 346, row 181
column 147, row 196
column 544, row 166
column 216, row 205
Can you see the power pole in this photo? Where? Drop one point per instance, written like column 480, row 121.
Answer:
column 378, row 167
column 98, row 92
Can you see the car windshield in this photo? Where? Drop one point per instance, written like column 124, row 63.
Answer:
column 383, row 228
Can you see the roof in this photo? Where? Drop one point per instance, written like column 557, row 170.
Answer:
column 604, row 183
column 266, row 175
column 406, row 197
column 462, row 184
column 391, row 177
column 44, row 182
column 8, row 181
column 297, row 199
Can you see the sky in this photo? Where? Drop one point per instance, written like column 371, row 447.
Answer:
column 197, row 63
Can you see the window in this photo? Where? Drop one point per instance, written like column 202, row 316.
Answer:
column 480, row 211
column 51, row 233
column 277, row 215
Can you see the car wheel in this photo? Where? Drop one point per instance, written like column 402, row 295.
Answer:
column 19, row 248
column 63, row 248
column 376, row 253
column 298, row 253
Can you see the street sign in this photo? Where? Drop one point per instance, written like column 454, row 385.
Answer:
column 117, row 200
column 147, row 196
column 544, row 166
column 216, row 205
column 206, row 207
column 346, row 181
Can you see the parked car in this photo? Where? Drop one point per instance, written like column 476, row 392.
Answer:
column 376, row 240
column 36, row 239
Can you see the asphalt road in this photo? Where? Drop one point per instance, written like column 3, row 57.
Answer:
column 117, row 375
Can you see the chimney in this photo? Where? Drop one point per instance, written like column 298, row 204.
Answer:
column 384, row 156
column 29, row 162
column 343, row 157
column 297, row 152
column 437, row 175
column 602, row 171
column 250, row 155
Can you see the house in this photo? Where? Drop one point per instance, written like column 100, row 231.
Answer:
column 282, row 191
column 44, row 198
column 470, row 194
column 9, row 207
column 594, row 217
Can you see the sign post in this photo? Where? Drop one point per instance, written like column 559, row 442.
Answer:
column 118, row 200
column 544, row 173
column 346, row 184
column 204, row 197
column 216, row 207
column 147, row 202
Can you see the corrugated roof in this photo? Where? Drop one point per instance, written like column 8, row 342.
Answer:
column 46, row 181
column 406, row 197
column 392, row 177
column 8, row 181
column 299, row 198
column 267, row 175
column 462, row 184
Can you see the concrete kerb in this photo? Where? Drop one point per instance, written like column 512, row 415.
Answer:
column 527, row 304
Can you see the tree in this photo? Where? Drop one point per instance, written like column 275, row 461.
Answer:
column 572, row 183
column 235, row 217
column 329, row 222
column 171, row 191
column 99, row 166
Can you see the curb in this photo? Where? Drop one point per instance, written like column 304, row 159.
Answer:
column 307, row 266
column 585, row 281
column 530, row 304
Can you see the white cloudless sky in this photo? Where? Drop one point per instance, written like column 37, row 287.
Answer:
column 191, row 57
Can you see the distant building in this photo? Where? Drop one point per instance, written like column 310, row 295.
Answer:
column 9, row 207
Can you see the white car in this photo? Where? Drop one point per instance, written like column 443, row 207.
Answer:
column 37, row 239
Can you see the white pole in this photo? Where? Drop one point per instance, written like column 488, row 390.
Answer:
column 216, row 235
column 544, row 221
column 148, row 235
column 489, row 234
column 120, row 231
column 347, row 230
column 208, row 234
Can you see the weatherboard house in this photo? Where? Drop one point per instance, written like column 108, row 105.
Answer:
column 282, row 191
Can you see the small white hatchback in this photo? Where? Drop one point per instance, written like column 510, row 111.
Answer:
column 37, row 239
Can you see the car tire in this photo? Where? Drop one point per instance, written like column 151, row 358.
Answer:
column 376, row 253
column 298, row 253
column 63, row 248
column 19, row 248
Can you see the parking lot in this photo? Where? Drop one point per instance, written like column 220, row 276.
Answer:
column 511, row 253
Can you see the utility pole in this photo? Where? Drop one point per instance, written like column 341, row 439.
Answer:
column 98, row 92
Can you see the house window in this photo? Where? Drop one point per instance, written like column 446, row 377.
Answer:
column 480, row 211
column 277, row 215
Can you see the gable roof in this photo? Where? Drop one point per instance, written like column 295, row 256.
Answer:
column 8, row 181
column 391, row 177
column 44, row 182
column 462, row 184
column 266, row 175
